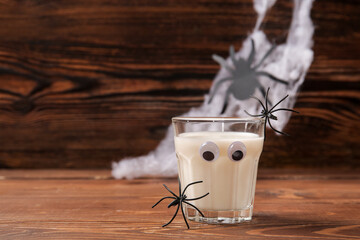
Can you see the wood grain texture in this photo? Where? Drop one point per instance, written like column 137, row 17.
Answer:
column 60, row 204
column 84, row 83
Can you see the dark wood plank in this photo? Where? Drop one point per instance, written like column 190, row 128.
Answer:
column 88, row 82
column 79, row 205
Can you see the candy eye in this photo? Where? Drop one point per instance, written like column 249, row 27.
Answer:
column 209, row 151
column 237, row 151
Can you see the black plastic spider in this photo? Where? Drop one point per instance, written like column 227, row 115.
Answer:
column 179, row 200
column 243, row 75
column 268, row 113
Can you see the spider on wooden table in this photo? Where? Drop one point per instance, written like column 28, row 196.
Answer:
column 179, row 200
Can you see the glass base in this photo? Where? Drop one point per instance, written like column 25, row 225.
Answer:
column 219, row 217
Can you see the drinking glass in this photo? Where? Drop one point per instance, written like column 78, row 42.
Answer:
column 223, row 153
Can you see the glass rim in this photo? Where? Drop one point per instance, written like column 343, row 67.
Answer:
column 218, row 119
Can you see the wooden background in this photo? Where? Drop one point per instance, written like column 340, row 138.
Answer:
column 87, row 82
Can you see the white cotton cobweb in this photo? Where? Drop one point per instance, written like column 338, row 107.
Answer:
column 289, row 61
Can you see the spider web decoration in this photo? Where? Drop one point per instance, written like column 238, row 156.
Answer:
column 289, row 61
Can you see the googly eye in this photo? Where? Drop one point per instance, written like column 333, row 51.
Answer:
column 236, row 151
column 209, row 151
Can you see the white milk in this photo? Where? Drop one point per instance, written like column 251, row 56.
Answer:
column 231, row 184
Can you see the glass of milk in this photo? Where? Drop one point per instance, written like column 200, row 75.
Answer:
column 223, row 153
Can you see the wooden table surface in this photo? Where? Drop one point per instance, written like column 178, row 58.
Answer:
column 89, row 204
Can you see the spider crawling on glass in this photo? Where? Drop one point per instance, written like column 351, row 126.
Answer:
column 179, row 200
column 268, row 113
column 243, row 75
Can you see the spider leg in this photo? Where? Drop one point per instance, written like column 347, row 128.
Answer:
column 265, row 56
column 262, row 90
column 266, row 119
column 179, row 186
column 226, row 100
column 276, row 130
column 266, row 100
column 216, row 87
column 161, row 200
column 259, row 101
column 193, row 199
column 195, row 208
column 222, row 63
column 252, row 53
column 182, row 210
column 272, row 77
column 232, row 55
column 278, row 103
column 174, row 203
column 177, row 210
column 170, row 191
column 252, row 115
column 284, row 109
column 190, row 185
